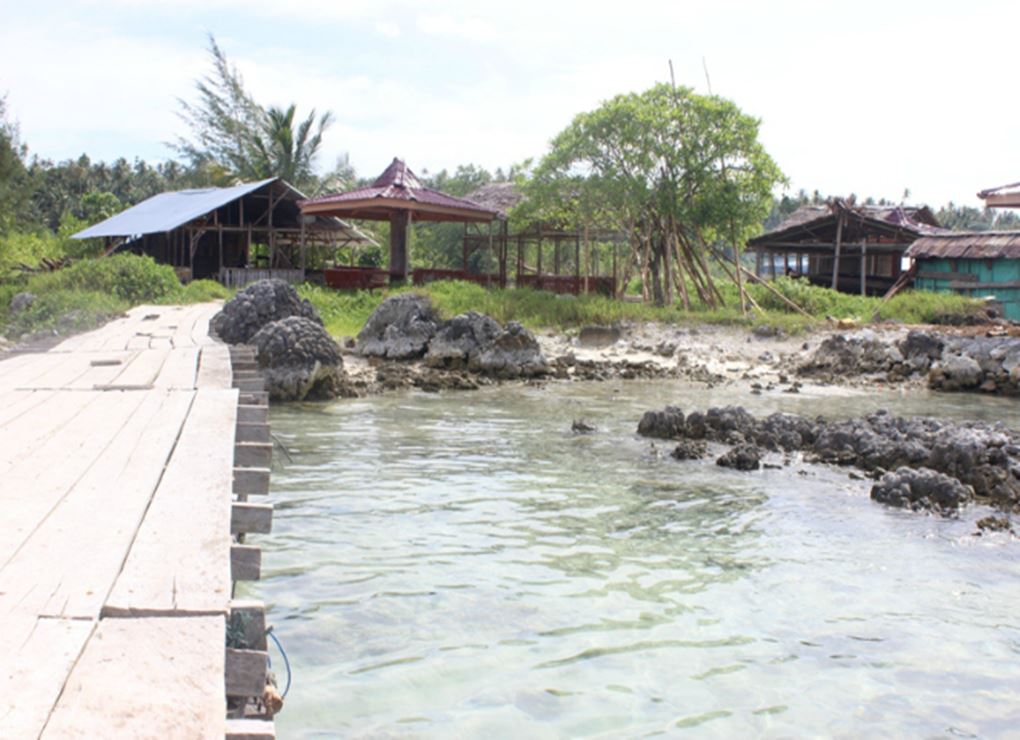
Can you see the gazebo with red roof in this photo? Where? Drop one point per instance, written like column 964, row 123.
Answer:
column 398, row 196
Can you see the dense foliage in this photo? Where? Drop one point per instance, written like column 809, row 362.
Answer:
column 673, row 170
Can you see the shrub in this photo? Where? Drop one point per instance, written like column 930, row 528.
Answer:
column 125, row 276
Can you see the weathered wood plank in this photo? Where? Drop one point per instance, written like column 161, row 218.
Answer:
column 250, row 729
column 180, row 561
column 245, row 672
column 253, row 433
column 245, row 563
column 34, row 484
column 180, row 369
column 254, row 398
column 146, row 678
column 140, row 373
column 214, row 366
column 251, row 518
column 253, row 455
column 37, row 657
column 85, row 537
column 252, row 414
column 251, row 481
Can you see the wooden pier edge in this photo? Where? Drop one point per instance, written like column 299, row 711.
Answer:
column 246, row 669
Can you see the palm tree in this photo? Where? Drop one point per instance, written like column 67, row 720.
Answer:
column 279, row 149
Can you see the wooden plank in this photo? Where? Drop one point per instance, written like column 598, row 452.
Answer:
column 252, row 414
column 252, row 433
column 15, row 404
column 214, row 367
column 180, row 370
column 254, row 398
column 245, row 672
column 68, row 563
column 251, row 518
column 253, row 455
column 937, row 275
column 251, row 614
column 245, row 563
column 140, row 373
column 250, row 729
column 251, row 481
column 146, row 678
column 180, row 561
column 37, row 657
column 250, row 385
column 35, row 484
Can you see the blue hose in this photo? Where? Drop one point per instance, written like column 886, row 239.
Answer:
column 286, row 662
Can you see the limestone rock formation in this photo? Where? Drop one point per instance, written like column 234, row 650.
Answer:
column 459, row 338
column 921, row 489
column 258, row 305
column 299, row 360
column 399, row 329
column 513, row 353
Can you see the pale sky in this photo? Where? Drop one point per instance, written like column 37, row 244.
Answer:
column 866, row 97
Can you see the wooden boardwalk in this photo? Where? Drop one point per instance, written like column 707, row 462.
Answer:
column 117, row 455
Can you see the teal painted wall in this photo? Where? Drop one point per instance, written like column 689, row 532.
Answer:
column 987, row 271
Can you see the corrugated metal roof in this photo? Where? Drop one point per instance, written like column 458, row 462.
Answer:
column 167, row 211
column 968, row 245
column 399, row 183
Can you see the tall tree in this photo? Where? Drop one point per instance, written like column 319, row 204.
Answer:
column 674, row 170
column 14, row 179
column 234, row 137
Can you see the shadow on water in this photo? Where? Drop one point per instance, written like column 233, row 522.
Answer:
column 459, row 565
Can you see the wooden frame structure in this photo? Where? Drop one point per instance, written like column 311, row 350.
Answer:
column 848, row 248
column 214, row 232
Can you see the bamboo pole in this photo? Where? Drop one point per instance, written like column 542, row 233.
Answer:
column 838, row 246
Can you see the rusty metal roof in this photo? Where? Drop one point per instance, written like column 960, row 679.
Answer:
column 818, row 223
column 398, row 189
column 968, row 245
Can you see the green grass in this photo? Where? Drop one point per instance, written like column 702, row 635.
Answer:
column 344, row 313
column 92, row 291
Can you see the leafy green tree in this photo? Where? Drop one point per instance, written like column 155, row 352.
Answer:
column 14, row 179
column 234, row 137
column 674, row 170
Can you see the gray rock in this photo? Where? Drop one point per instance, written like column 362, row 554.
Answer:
column 299, row 360
column 598, row 336
column 741, row 457
column 922, row 489
column 580, row 426
column 665, row 424
column 513, row 353
column 399, row 329
column 257, row 306
column 459, row 337
column 21, row 301
column 689, row 449
column 956, row 373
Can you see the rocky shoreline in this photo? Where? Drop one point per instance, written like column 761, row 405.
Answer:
column 919, row 463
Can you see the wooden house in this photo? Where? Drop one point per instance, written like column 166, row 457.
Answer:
column 236, row 235
column 837, row 245
column 979, row 264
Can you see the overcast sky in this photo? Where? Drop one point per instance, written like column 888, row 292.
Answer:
column 865, row 97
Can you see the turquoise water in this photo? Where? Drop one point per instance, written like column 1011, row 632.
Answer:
column 461, row 565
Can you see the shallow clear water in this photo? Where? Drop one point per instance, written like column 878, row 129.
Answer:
column 461, row 565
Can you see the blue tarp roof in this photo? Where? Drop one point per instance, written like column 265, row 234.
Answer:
column 167, row 211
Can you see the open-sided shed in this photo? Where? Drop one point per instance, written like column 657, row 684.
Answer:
column 850, row 248
column 213, row 232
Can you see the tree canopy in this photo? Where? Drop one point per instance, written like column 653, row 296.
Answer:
column 674, row 170
column 235, row 137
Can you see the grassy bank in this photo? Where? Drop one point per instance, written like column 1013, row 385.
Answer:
column 92, row 291
column 345, row 313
